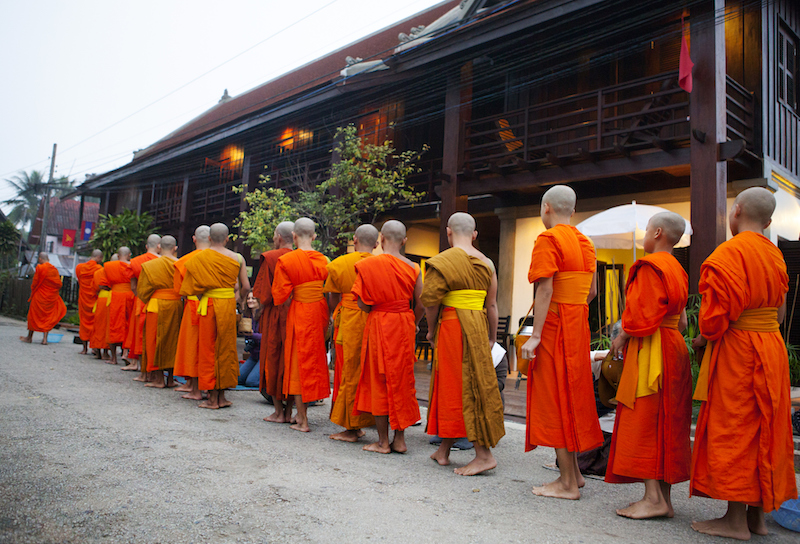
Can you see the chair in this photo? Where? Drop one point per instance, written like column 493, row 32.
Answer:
column 423, row 346
column 502, row 331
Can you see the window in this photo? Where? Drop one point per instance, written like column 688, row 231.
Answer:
column 787, row 67
column 50, row 246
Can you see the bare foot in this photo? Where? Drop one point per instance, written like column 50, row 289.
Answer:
column 184, row 388
column 722, row 527
column 477, row 466
column 398, row 447
column 645, row 509
column 25, row 339
column 157, row 385
column 44, row 342
column 209, row 405
column 581, row 481
column 303, row 428
column 111, row 362
column 129, row 368
column 755, row 521
column 377, row 448
column 274, row 417
column 443, row 458
column 139, row 379
column 190, row 396
column 225, row 403
column 556, row 490
column 84, row 352
column 348, row 436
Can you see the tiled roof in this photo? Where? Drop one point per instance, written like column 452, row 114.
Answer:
column 66, row 215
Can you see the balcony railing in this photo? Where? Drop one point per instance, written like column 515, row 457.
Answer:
column 216, row 201
column 741, row 114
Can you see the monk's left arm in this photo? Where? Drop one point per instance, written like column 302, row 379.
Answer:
column 683, row 322
column 782, row 310
column 419, row 309
column 244, row 281
column 491, row 310
column 592, row 288
column 333, row 301
column 366, row 308
column 134, row 285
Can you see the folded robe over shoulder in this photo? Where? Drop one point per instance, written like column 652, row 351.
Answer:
column 349, row 333
column 121, row 307
column 272, row 326
column 300, row 274
column 464, row 398
column 46, row 308
column 561, row 411
column 87, row 296
column 743, row 449
column 188, row 337
column 135, row 337
column 387, row 387
column 651, row 437
column 163, row 310
column 99, row 339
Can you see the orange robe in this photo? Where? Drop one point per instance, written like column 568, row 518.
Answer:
column 651, row 438
column 272, row 326
column 217, row 360
column 743, row 448
column 121, row 307
column 349, row 324
column 99, row 339
column 188, row 337
column 135, row 336
column 46, row 308
column 561, row 411
column 300, row 274
column 87, row 296
column 162, row 310
column 386, row 386
column 464, row 397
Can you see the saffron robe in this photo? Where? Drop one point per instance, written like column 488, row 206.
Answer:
column 87, row 296
column 743, row 449
column 46, row 308
column 217, row 360
column 135, row 336
column 121, row 307
column 386, row 386
column 99, row 339
column 272, row 325
column 300, row 274
column 349, row 323
column 188, row 337
column 464, row 397
column 561, row 410
column 163, row 310
column 651, row 440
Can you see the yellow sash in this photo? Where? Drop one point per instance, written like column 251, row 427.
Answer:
column 222, row 292
column 160, row 294
column 570, row 288
column 102, row 294
column 465, row 299
column 349, row 301
column 308, row 292
column 193, row 297
column 754, row 320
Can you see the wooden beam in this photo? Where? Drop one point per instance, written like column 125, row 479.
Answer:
column 458, row 84
column 586, row 155
column 525, row 165
column 733, row 149
column 622, row 150
column 555, row 160
column 182, row 239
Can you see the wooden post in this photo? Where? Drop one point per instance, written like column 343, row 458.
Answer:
column 184, row 215
column 242, row 202
column 708, row 118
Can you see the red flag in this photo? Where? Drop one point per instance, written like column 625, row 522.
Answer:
column 68, row 238
column 685, row 66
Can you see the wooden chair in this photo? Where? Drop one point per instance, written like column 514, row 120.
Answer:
column 423, row 346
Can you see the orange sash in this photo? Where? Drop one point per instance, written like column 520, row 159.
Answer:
column 308, row 292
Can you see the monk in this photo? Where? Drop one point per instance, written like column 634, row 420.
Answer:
column 743, row 441
column 99, row 340
column 135, row 337
column 212, row 274
column 163, row 310
column 188, row 338
column 386, row 287
column 121, row 305
column 87, row 296
column 561, row 411
column 349, row 322
column 460, row 294
column 650, row 442
column 46, row 308
column 273, row 326
column 300, row 275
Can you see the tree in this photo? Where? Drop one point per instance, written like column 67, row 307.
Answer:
column 9, row 243
column 30, row 190
column 267, row 207
column 125, row 229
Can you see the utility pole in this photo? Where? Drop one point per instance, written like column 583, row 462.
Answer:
column 43, row 235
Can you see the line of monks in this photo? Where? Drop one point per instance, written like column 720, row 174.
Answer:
column 178, row 317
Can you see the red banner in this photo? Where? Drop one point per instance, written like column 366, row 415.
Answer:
column 68, row 238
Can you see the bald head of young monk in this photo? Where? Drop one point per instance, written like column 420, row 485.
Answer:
column 201, row 237
column 752, row 210
column 97, row 256
column 115, row 257
column 461, row 229
column 664, row 230
column 283, row 238
column 152, row 243
column 303, row 233
column 558, row 205
column 43, row 258
column 124, row 254
column 365, row 239
column 218, row 234
column 168, row 246
column 393, row 237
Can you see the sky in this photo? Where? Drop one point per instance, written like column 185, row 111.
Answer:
column 102, row 78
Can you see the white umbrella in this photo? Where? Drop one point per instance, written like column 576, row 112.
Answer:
column 623, row 227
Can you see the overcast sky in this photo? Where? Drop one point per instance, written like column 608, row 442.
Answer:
column 77, row 72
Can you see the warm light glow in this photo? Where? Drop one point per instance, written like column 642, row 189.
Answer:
column 232, row 156
column 292, row 137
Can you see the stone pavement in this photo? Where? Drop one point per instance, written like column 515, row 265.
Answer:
column 90, row 456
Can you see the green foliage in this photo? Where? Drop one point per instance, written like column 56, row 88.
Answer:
column 30, row 189
column 9, row 243
column 125, row 229
column 794, row 364
column 692, row 331
column 600, row 343
column 267, row 206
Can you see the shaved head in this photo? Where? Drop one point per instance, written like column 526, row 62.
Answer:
column 97, row 255
column 124, row 253
column 462, row 224
column 169, row 243
column 561, row 199
column 284, row 230
column 218, row 233
column 43, row 258
column 757, row 204
column 115, row 257
column 304, row 228
column 202, row 232
column 671, row 224
column 153, row 241
column 394, row 231
column 367, row 235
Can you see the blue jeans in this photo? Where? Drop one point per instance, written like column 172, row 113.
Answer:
column 248, row 372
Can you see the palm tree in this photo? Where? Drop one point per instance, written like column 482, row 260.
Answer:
column 30, row 190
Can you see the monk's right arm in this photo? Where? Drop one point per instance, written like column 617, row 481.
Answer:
column 432, row 317
column 333, row 301
column 782, row 310
column 544, row 294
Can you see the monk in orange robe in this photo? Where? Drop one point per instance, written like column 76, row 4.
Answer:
column 87, row 296
column 743, row 449
column 121, row 306
column 135, row 337
column 650, row 442
column 349, row 323
column 561, row 411
column 464, row 397
column 99, row 340
column 300, row 275
column 188, row 338
column 273, row 327
column 163, row 310
column 385, row 287
column 212, row 274
column 46, row 308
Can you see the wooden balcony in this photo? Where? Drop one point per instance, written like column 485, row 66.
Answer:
column 215, row 202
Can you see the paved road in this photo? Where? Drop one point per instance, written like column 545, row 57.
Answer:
column 90, row 456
